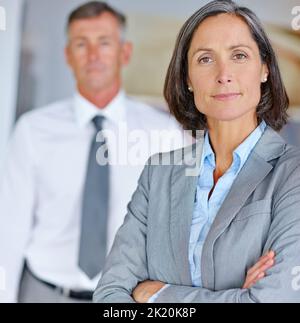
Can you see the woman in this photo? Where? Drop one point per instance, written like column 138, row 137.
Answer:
column 199, row 238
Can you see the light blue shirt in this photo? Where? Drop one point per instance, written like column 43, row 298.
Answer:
column 205, row 210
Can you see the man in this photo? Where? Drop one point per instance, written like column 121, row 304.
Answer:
column 59, row 211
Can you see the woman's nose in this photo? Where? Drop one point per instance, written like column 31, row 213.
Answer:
column 224, row 75
column 224, row 80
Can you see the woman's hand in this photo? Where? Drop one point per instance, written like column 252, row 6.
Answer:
column 257, row 272
column 145, row 290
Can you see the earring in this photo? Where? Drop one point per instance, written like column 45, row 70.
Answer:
column 265, row 79
column 190, row 89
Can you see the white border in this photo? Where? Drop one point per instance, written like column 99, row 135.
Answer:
column 10, row 42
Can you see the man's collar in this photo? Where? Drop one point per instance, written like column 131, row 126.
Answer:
column 85, row 111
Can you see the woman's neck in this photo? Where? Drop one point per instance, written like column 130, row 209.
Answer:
column 225, row 137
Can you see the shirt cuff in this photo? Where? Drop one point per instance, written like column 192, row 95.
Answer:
column 153, row 298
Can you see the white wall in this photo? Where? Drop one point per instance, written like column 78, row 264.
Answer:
column 9, row 67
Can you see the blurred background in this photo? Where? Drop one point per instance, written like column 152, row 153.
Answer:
column 33, row 71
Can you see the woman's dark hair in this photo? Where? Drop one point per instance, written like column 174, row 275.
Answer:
column 93, row 9
column 274, row 100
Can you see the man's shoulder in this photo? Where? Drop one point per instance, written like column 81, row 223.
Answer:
column 139, row 107
column 54, row 110
column 47, row 119
column 150, row 117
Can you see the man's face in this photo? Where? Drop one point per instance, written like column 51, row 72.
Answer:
column 96, row 53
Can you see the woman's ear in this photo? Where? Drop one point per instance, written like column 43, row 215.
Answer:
column 189, row 86
column 265, row 74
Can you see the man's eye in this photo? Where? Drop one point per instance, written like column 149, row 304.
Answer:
column 80, row 45
column 105, row 43
column 205, row 60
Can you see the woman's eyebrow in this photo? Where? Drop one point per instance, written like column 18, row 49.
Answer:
column 240, row 45
column 200, row 49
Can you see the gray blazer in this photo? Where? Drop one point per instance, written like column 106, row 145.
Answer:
column 260, row 213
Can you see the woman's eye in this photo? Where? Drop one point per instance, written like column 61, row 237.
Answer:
column 240, row 56
column 205, row 60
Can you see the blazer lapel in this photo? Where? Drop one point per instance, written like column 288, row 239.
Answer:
column 183, row 189
column 254, row 171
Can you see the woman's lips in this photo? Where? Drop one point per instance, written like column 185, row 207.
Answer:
column 226, row 96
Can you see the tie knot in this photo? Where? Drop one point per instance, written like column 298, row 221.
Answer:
column 97, row 121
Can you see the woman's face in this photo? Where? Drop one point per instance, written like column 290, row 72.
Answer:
column 225, row 69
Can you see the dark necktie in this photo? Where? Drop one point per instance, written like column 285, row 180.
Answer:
column 93, row 237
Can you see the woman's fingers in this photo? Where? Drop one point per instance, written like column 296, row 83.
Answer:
column 257, row 272
column 265, row 266
column 262, row 260
column 251, row 283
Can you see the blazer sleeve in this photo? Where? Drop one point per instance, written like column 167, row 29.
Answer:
column 126, row 264
column 282, row 282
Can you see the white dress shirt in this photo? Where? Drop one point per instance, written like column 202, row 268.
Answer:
column 42, row 184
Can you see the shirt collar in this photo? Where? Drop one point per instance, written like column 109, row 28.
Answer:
column 244, row 149
column 241, row 153
column 208, row 153
column 85, row 111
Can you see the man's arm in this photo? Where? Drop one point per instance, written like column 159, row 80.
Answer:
column 16, row 209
